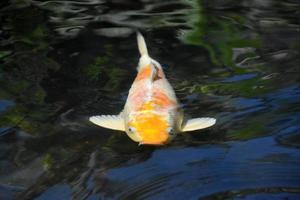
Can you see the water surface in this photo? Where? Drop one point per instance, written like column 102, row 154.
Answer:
column 63, row 61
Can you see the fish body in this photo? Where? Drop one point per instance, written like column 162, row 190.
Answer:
column 151, row 113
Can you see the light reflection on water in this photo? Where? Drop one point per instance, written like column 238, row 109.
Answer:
column 66, row 60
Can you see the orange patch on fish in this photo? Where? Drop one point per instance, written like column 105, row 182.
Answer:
column 162, row 100
column 144, row 73
column 149, row 105
column 138, row 98
column 152, row 128
column 158, row 101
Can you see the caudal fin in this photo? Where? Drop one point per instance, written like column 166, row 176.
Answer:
column 142, row 44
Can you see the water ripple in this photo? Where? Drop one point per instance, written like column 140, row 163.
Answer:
column 239, row 167
column 154, row 14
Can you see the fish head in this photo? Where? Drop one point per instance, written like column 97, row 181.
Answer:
column 150, row 129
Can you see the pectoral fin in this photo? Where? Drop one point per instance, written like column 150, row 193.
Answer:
column 115, row 122
column 197, row 123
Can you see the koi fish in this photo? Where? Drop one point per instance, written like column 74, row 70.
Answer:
column 151, row 113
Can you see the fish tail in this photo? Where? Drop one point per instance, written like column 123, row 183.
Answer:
column 142, row 44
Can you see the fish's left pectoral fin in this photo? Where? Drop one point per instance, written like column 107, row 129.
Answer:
column 198, row 123
column 115, row 122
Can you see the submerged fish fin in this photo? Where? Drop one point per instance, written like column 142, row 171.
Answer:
column 115, row 122
column 197, row 123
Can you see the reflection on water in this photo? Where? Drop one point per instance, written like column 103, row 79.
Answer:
column 62, row 61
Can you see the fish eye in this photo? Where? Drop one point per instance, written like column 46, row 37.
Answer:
column 171, row 131
column 131, row 129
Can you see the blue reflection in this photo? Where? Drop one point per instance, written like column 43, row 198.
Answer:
column 5, row 104
column 266, row 196
column 57, row 192
column 239, row 77
column 197, row 172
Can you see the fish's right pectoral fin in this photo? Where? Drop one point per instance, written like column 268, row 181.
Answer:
column 198, row 123
column 115, row 122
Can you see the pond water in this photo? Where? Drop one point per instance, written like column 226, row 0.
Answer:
column 63, row 61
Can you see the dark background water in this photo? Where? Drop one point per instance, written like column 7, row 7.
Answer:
column 63, row 61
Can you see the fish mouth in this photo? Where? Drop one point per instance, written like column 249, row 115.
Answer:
column 152, row 143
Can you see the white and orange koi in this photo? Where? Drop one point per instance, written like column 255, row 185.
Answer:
column 151, row 114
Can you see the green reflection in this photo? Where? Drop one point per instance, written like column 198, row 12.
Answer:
column 246, row 88
column 24, row 70
column 94, row 71
column 250, row 129
column 103, row 70
column 218, row 34
column 48, row 161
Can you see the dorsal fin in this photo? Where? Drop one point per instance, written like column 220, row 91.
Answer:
column 142, row 44
column 145, row 58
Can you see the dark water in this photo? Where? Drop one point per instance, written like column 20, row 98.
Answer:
column 63, row 61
